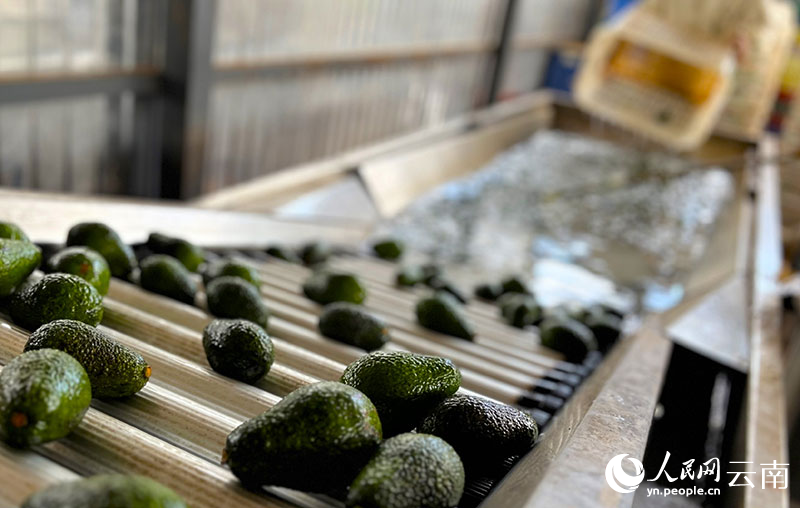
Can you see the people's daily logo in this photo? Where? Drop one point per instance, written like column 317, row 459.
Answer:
column 621, row 481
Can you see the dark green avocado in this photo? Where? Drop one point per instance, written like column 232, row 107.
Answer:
column 442, row 313
column 409, row 276
column 84, row 262
column 409, row 471
column 114, row 369
column 233, row 268
column 441, row 284
column 326, row 287
column 18, row 259
column 568, row 336
column 167, row 276
column 56, row 296
column 483, row 432
column 190, row 255
column 605, row 327
column 119, row 255
column 316, row 439
column 43, row 396
column 403, row 386
column 390, row 249
column 514, row 285
column 315, row 253
column 520, row 309
column 352, row 324
column 233, row 298
column 238, row 349
column 106, row 491
column 489, row 292
column 280, row 252
column 11, row 231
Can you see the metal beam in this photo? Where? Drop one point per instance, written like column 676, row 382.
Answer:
column 186, row 78
column 58, row 86
column 503, row 48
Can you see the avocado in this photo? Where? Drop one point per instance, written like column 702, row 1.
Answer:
column 233, row 298
column 519, row 309
column 430, row 271
column 568, row 336
column 232, row 268
column 283, row 253
column 107, row 242
column 43, row 396
column 442, row 313
column 167, row 276
column 353, row 325
column 84, row 262
column 190, row 255
column 483, row 432
column 18, row 259
column 409, row 276
column 114, row 369
column 315, row 253
column 489, row 292
column 410, row 471
column 605, row 327
column 403, row 386
column 316, row 439
column 390, row 249
column 56, row 296
column 514, row 285
column 106, row 491
column 11, row 231
column 438, row 283
column 326, row 287
column 239, row 349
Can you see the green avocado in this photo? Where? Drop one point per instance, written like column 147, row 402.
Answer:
column 232, row 268
column 409, row 471
column 233, row 298
column 107, row 242
column 441, row 284
column 568, row 336
column 84, row 262
column 56, row 296
column 18, row 259
column 167, row 276
column 239, row 349
column 316, row 439
column 106, row 491
column 283, row 253
column 519, row 309
column 409, row 276
column 483, row 432
column 326, row 287
column 431, row 271
column 390, row 249
column 353, row 325
column 489, row 292
column 403, row 386
column 442, row 313
column 605, row 327
column 11, row 231
column 43, row 396
column 514, row 285
column 190, row 255
column 315, row 253
column 114, row 369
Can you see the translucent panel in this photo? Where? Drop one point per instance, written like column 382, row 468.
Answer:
column 253, row 29
column 558, row 19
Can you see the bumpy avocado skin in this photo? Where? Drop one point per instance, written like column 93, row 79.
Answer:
column 483, row 432
column 441, row 313
column 11, row 231
column 403, row 386
column 568, row 336
column 326, row 287
column 106, row 491
column 280, row 252
column 114, row 369
column 190, row 255
column 18, row 259
column 353, row 325
column 233, row 298
column 409, row 276
column 43, row 396
column 167, row 276
column 238, row 349
column 316, row 439
column 315, row 253
column 84, row 262
column 56, row 296
column 390, row 249
column 231, row 268
column 119, row 255
column 409, row 471
column 519, row 309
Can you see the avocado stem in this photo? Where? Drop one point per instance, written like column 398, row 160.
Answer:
column 147, row 372
column 19, row 420
column 224, row 456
